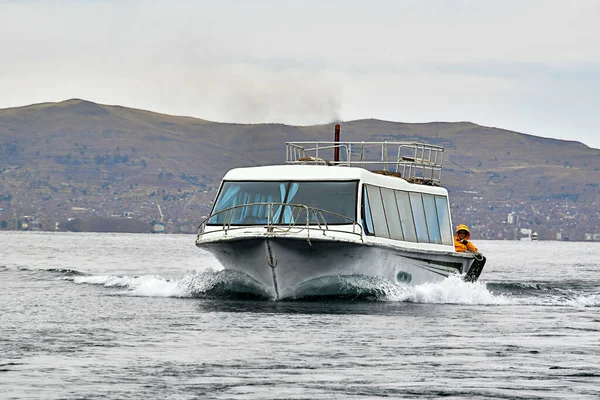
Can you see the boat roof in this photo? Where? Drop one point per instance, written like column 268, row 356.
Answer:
column 327, row 173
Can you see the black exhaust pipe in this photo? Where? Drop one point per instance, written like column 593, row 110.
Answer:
column 336, row 149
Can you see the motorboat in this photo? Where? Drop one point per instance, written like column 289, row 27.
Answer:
column 334, row 213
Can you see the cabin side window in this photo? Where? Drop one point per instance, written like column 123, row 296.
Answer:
column 443, row 214
column 431, row 217
column 416, row 202
column 391, row 212
column 366, row 213
column 377, row 213
column 408, row 216
column 383, row 214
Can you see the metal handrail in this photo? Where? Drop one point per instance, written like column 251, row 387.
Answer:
column 310, row 214
column 415, row 162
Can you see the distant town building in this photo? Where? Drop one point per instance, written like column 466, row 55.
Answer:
column 512, row 218
column 525, row 234
column 27, row 222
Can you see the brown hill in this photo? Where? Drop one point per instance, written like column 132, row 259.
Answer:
column 78, row 159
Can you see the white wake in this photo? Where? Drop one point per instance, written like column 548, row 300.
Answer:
column 452, row 290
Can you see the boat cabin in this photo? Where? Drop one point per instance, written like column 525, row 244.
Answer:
column 399, row 200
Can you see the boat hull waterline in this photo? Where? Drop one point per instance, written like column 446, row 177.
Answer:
column 289, row 268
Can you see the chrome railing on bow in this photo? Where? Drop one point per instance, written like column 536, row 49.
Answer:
column 279, row 217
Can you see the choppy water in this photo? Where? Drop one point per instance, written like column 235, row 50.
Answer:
column 143, row 316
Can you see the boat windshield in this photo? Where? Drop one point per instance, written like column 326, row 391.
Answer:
column 336, row 197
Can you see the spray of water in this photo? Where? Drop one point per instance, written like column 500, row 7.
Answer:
column 453, row 290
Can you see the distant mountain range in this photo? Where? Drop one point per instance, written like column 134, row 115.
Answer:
column 76, row 162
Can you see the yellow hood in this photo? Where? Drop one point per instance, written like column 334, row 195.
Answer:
column 463, row 228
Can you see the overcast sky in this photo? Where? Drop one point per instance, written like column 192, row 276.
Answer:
column 526, row 65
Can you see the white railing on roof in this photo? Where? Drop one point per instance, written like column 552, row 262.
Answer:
column 415, row 162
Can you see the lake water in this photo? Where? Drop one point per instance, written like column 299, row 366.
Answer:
column 127, row 316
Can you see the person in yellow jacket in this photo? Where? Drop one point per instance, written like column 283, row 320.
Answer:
column 461, row 240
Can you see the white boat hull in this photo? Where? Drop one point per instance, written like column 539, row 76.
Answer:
column 287, row 268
